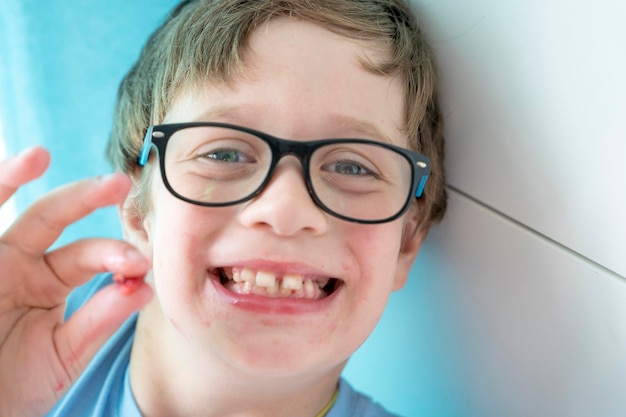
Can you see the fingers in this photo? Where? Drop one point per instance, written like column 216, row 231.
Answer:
column 42, row 223
column 77, row 262
column 20, row 169
column 85, row 332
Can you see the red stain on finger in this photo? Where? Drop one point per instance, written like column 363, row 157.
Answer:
column 127, row 285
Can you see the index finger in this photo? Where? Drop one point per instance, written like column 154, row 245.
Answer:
column 19, row 169
column 43, row 222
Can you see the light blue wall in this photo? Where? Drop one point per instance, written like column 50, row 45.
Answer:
column 60, row 64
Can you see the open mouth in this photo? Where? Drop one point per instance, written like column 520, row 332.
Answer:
column 243, row 280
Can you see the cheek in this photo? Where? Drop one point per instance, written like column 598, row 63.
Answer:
column 377, row 248
column 178, row 228
column 182, row 238
column 374, row 250
column 181, row 235
column 174, row 261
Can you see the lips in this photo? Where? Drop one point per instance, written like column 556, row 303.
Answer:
column 245, row 280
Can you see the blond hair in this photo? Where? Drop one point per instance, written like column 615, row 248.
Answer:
column 205, row 41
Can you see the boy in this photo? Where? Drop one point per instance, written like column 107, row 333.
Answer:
column 278, row 152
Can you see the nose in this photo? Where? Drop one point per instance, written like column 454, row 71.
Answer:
column 285, row 205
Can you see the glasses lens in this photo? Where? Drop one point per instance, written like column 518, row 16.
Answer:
column 361, row 181
column 215, row 165
column 218, row 165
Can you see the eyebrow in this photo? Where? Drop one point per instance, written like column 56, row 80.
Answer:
column 361, row 128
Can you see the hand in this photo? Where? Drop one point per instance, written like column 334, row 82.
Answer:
column 40, row 354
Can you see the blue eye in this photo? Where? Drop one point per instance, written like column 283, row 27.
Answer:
column 226, row 155
column 350, row 168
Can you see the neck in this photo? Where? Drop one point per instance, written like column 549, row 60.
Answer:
column 170, row 378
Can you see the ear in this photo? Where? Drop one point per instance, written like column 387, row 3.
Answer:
column 412, row 238
column 135, row 227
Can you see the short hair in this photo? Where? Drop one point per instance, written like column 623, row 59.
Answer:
column 205, row 41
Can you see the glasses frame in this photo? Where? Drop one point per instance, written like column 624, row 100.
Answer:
column 157, row 136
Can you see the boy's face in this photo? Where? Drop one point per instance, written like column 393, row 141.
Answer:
column 301, row 82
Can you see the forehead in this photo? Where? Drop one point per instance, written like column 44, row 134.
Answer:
column 300, row 80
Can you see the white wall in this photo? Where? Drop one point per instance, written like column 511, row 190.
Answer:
column 536, row 102
column 530, row 262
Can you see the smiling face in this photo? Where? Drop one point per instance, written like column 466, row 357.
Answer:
column 276, row 286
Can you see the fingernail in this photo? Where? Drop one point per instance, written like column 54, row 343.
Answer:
column 129, row 257
column 134, row 255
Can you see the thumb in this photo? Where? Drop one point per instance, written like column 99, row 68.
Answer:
column 78, row 340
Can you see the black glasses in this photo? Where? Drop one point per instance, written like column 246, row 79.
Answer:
column 219, row 164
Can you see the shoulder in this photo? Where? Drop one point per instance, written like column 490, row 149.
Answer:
column 351, row 403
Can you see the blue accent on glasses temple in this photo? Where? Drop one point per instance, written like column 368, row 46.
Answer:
column 420, row 186
column 145, row 149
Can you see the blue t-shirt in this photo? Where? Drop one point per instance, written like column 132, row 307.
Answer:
column 103, row 390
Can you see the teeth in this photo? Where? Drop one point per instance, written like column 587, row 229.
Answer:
column 265, row 279
column 272, row 291
column 272, row 285
column 292, row 282
column 244, row 275
column 248, row 275
column 310, row 288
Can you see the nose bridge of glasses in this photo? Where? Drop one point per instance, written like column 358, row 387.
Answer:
column 286, row 147
column 299, row 151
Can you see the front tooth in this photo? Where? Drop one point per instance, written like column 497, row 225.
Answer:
column 292, row 282
column 265, row 279
column 248, row 275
